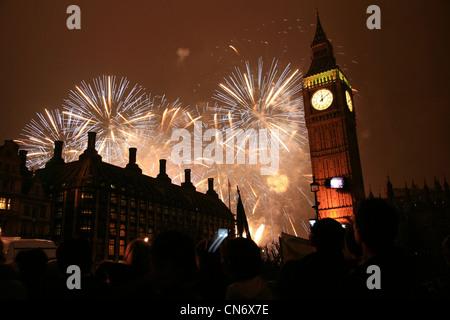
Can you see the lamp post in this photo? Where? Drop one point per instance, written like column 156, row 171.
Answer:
column 314, row 188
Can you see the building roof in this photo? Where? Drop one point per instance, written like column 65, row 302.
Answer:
column 91, row 172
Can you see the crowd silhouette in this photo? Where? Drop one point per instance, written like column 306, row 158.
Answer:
column 173, row 267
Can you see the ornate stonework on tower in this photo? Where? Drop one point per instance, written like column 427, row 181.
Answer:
column 331, row 123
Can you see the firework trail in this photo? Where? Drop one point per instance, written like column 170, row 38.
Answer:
column 266, row 98
column 262, row 99
column 39, row 135
column 120, row 114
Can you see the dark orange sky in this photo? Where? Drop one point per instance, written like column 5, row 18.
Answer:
column 401, row 72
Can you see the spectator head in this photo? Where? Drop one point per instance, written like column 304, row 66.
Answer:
column 138, row 255
column 242, row 259
column 74, row 251
column 174, row 251
column 327, row 235
column 376, row 225
column 206, row 259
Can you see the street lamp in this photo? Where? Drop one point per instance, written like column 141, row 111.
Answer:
column 314, row 188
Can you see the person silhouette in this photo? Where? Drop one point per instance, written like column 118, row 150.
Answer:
column 32, row 265
column 173, row 267
column 77, row 251
column 319, row 273
column 138, row 257
column 130, row 278
column 11, row 287
column 384, row 271
column 212, row 282
column 243, row 263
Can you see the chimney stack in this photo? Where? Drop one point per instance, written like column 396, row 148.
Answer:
column 132, row 165
column 211, row 190
column 132, row 155
column 90, row 151
column 23, row 156
column 162, row 171
column 57, row 154
column 91, row 140
column 187, row 179
column 23, row 161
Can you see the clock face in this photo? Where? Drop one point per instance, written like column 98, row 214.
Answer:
column 349, row 100
column 322, row 99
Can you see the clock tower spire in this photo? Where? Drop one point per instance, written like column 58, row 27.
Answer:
column 331, row 124
column 322, row 54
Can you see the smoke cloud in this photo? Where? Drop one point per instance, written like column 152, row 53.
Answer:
column 182, row 54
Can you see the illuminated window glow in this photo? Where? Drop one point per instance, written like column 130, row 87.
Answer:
column 5, row 204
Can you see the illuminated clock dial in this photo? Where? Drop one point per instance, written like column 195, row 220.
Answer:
column 349, row 100
column 322, row 99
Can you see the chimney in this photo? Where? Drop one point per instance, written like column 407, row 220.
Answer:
column 23, row 156
column 90, row 151
column 187, row 179
column 23, row 161
column 57, row 154
column 162, row 171
column 162, row 166
column 132, row 161
column 211, row 190
column 91, row 140
column 132, row 155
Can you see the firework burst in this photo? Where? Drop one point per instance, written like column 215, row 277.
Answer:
column 120, row 114
column 266, row 98
column 39, row 135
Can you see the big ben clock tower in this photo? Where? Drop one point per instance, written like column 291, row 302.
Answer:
column 331, row 123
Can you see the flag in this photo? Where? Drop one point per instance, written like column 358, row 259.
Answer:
column 293, row 248
column 241, row 218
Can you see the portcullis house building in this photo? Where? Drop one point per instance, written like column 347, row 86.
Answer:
column 112, row 206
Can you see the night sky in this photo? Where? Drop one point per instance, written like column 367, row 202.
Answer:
column 181, row 49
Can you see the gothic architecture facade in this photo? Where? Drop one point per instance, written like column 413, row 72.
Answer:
column 331, row 124
column 424, row 221
column 24, row 207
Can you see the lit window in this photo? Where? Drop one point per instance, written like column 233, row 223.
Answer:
column 5, row 204
column 111, row 247
column 85, row 225
column 87, row 195
column 114, row 198
column 86, row 228
column 112, row 229
column 59, row 212
column 58, row 229
column 122, row 230
column 86, row 211
column 113, row 213
column 122, row 247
